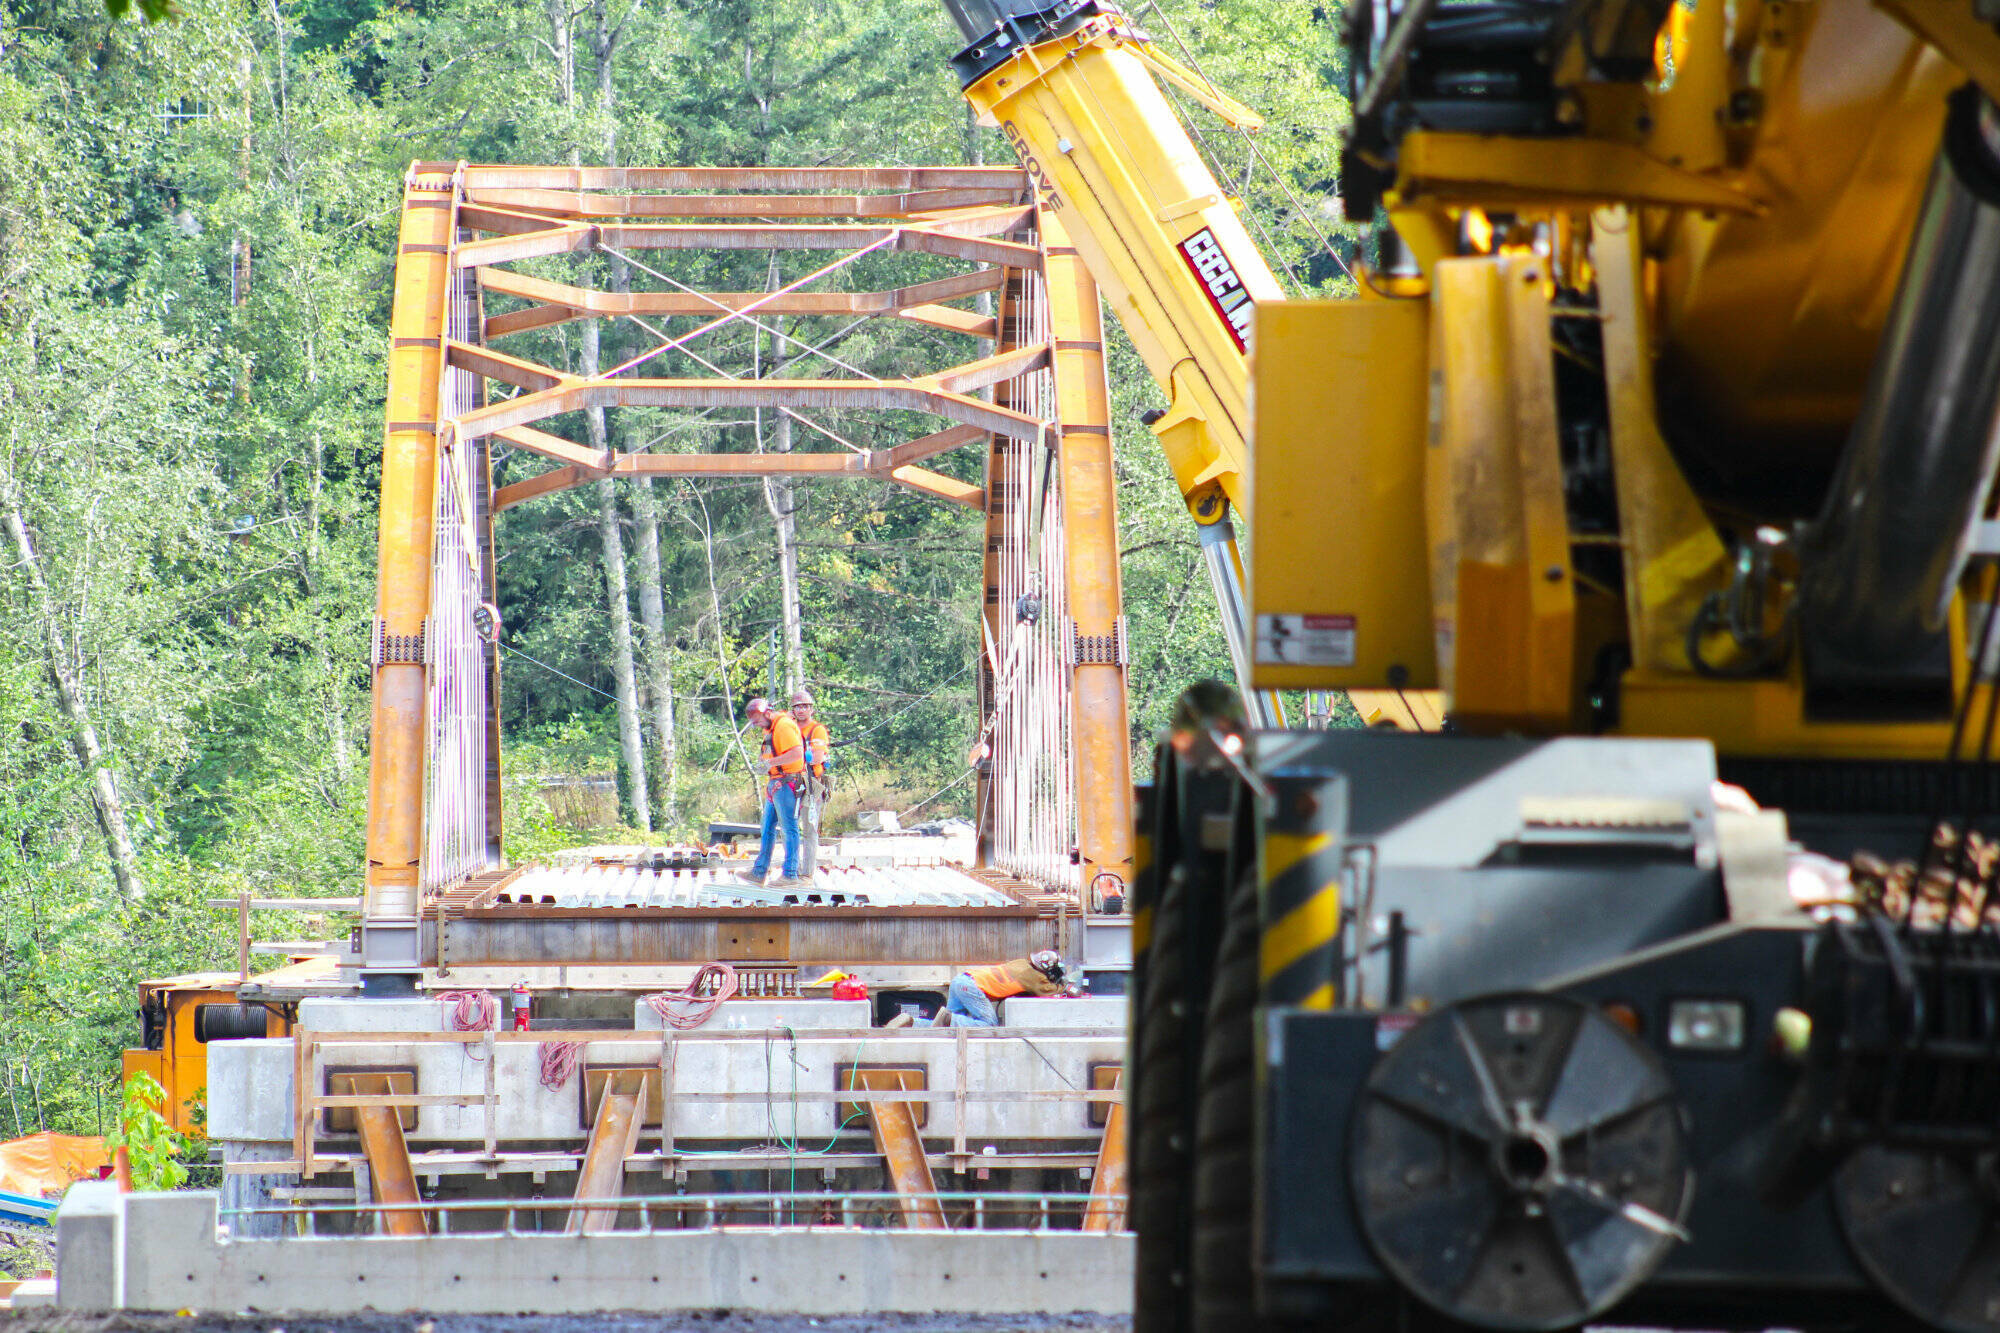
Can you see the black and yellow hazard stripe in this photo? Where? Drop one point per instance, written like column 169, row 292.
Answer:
column 1299, row 865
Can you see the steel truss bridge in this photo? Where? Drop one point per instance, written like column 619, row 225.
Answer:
column 489, row 253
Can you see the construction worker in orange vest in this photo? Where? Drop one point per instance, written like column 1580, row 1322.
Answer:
column 819, row 750
column 969, row 1001
column 783, row 757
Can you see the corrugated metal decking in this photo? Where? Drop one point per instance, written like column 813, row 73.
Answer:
column 910, row 913
column 597, row 887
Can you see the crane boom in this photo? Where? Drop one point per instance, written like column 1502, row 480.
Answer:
column 1072, row 87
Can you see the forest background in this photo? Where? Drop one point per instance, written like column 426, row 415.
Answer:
column 197, row 220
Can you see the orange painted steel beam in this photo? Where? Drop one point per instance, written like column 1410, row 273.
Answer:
column 582, row 204
column 614, row 1135
column 955, row 240
column 841, row 179
column 587, row 465
column 941, row 486
column 558, row 302
column 403, row 569
column 902, row 1147
column 989, row 370
column 1101, row 731
column 388, row 1154
column 1109, row 1182
column 914, row 395
column 953, row 320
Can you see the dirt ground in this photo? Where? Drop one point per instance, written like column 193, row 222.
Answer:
column 698, row 1321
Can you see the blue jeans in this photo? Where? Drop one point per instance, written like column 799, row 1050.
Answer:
column 781, row 809
column 968, row 1005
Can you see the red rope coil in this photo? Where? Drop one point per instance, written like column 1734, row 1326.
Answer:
column 471, row 1010
column 686, row 1009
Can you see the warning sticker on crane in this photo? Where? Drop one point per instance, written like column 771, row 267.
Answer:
column 1297, row 640
column 1225, row 290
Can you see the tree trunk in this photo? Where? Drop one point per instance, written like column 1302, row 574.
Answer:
column 657, row 655
column 609, row 532
column 656, row 662
column 779, row 499
column 83, row 733
column 778, row 496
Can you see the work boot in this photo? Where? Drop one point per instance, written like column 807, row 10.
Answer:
column 751, row 878
column 789, row 882
column 900, row 1021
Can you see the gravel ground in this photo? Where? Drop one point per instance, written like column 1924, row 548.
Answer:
column 697, row 1321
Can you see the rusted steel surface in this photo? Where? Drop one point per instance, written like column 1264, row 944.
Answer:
column 567, row 237
column 840, row 179
column 1109, row 1181
column 1101, row 733
column 558, row 302
column 614, row 1134
column 869, row 462
column 409, row 461
column 812, row 935
column 582, row 204
column 902, row 1147
column 559, row 395
column 389, row 1169
column 475, row 220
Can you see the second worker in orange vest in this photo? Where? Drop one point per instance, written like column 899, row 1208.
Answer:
column 819, row 752
column 783, row 757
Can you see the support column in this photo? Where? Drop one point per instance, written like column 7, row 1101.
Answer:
column 1101, row 731
column 389, row 1169
column 614, row 1136
column 1109, row 1181
column 409, row 465
column 901, row 1144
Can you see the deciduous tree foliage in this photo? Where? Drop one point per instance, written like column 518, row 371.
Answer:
column 197, row 220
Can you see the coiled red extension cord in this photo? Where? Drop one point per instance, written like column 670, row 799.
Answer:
column 698, row 1007
column 472, row 1010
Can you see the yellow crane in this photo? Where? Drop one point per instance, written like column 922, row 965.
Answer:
column 1660, row 440
column 1162, row 240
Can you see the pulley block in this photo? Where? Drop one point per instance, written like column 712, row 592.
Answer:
column 1925, row 1224
column 1520, row 1162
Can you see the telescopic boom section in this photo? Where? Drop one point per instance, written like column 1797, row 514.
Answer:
column 1072, row 87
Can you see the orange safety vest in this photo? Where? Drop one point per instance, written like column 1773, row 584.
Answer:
column 783, row 736
column 996, row 981
column 821, row 743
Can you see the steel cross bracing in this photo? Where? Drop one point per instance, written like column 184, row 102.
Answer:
column 493, row 261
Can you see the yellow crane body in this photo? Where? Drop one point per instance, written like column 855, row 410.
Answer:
column 1662, row 441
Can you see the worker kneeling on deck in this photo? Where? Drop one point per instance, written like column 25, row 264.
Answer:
column 969, row 1002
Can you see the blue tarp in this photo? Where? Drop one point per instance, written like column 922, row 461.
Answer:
column 23, row 1208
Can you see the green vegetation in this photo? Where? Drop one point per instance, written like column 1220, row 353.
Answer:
column 197, row 219
column 150, row 1143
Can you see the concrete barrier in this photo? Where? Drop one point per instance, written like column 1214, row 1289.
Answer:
column 164, row 1252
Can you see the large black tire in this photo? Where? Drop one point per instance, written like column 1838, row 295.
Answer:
column 1166, row 1040
column 1159, row 1144
column 1224, row 1162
